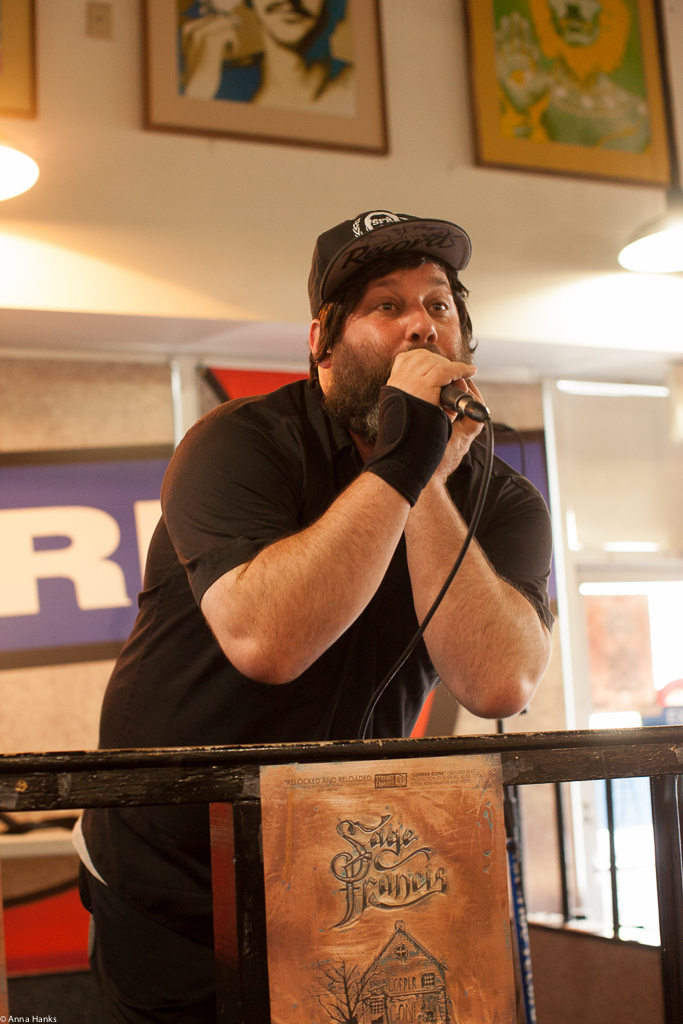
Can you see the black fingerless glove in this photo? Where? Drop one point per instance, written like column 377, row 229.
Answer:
column 412, row 438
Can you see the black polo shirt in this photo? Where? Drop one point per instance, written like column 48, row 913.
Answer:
column 249, row 473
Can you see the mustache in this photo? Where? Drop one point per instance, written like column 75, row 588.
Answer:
column 428, row 346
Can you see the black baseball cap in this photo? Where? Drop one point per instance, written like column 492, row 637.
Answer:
column 353, row 244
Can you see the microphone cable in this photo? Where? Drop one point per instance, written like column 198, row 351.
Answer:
column 476, row 516
column 505, row 428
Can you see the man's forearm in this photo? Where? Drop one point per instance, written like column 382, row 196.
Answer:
column 486, row 641
column 274, row 616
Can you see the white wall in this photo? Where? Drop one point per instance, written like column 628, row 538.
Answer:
column 56, row 405
column 170, row 224
column 48, row 404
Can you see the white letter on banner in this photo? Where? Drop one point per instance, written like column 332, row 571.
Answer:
column 94, row 535
column 147, row 515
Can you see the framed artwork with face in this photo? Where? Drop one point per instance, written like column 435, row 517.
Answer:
column 304, row 72
column 17, row 59
column 569, row 87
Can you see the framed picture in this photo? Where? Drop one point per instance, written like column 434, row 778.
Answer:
column 17, row 59
column 309, row 75
column 570, row 88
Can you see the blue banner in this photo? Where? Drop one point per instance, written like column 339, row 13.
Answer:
column 72, row 540
column 536, row 472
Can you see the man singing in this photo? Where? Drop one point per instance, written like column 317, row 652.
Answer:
column 304, row 535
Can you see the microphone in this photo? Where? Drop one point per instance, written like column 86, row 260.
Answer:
column 463, row 404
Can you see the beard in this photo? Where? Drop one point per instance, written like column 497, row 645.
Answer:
column 353, row 395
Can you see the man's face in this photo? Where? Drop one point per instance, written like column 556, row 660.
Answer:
column 404, row 310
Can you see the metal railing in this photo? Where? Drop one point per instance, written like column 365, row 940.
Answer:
column 230, row 774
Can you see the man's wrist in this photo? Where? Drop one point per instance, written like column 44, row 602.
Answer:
column 412, row 438
column 435, row 495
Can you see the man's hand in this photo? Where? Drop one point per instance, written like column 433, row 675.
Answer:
column 423, row 373
column 464, row 432
column 205, row 42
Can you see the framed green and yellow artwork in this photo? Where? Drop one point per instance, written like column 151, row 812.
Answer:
column 17, row 59
column 569, row 87
column 291, row 72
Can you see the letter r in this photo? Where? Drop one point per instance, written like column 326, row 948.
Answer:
column 93, row 534
column 147, row 516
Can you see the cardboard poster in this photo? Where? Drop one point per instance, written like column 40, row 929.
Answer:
column 386, row 892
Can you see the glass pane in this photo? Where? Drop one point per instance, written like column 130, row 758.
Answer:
column 621, row 475
column 634, row 645
column 635, row 858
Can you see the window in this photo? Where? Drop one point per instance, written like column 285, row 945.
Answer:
column 634, row 658
column 428, row 980
column 617, row 487
column 376, row 1005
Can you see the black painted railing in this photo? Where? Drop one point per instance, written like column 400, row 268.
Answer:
column 230, row 774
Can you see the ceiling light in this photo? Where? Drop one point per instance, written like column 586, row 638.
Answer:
column 612, row 589
column 630, row 545
column 606, row 389
column 658, row 247
column 18, row 172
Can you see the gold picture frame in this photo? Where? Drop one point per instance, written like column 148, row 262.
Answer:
column 247, row 69
column 569, row 89
column 17, row 59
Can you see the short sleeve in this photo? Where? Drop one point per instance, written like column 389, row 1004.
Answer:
column 232, row 488
column 517, row 540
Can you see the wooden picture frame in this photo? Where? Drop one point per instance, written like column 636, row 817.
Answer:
column 214, row 67
column 17, row 59
column 569, row 89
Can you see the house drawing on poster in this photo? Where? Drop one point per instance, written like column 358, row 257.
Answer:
column 405, row 984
